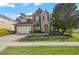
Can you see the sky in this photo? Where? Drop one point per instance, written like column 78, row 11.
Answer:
column 13, row 10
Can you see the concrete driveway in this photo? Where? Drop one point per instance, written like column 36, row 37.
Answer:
column 4, row 41
column 11, row 38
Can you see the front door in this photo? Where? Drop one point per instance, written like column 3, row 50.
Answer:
column 46, row 29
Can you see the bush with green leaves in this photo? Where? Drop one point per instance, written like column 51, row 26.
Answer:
column 37, row 31
column 4, row 31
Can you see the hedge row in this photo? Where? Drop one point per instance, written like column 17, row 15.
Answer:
column 4, row 32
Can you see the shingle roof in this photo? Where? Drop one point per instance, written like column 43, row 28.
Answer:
column 39, row 10
column 7, row 18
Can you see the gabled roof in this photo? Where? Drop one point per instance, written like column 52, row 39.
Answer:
column 20, row 17
column 39, row 10
column 46, row 11
column 7, row 18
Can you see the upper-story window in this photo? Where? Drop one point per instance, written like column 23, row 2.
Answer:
column 29, row 20
column 23, row 20
column 45, row 18
column 37, row 18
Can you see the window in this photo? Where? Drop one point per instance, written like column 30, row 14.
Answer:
column 28, row 20
column 46, row 28
column 45, row 18
column 37, row 19
column 37, row 28
column 23, row 20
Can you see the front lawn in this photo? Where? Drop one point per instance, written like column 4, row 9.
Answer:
column 41, row 50
column 75, row 37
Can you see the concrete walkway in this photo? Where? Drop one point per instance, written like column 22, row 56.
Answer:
column 43, row 44
column 10, row 41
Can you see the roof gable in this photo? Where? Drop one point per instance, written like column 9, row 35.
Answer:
column 38, row 11
column 7, row 18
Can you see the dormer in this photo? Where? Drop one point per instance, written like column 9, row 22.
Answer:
column 45, row 15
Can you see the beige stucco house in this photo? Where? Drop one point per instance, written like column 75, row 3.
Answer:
column 38, row 21
column 6, row 22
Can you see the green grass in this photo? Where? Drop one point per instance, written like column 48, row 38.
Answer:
column 51, row 38
column 41, row 50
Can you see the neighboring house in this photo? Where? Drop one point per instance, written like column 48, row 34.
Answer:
column 7, row 23
column 38, row 21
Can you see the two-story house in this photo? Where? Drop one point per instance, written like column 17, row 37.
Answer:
column 38, row 21
column 7, row 23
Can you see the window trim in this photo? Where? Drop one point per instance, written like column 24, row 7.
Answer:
column 45, row 17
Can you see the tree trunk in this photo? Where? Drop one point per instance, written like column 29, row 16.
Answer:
column 70, row 31
column 64, row 30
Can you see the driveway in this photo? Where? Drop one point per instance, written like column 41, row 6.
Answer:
column 4, row 41
column 11, row 38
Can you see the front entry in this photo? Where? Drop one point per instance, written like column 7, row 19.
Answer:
column 46, row 29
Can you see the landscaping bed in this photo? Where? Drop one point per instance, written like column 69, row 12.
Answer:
column 41, row 50
column 34, row 38
column 4, row 32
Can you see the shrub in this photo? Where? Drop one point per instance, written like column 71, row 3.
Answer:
column 4, row 32
column 37, row 31
column 54, row 33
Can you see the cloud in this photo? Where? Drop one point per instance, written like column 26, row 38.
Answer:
column 12, row 16
column 77, row 7
column 29, row 13
column 36, row 4
column 7, row 5
column 25, row 4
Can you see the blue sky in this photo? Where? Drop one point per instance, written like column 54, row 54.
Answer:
column 12, row 10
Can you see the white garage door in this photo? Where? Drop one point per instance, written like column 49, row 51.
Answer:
column 23, row 29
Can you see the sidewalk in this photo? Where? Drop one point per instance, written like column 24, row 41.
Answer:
column 43, row 44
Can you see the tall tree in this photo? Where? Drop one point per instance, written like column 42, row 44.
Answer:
column 64, row 14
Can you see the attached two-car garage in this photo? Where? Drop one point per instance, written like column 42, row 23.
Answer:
column 23, row 29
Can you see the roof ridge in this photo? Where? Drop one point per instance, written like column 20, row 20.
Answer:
column 6, row 17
